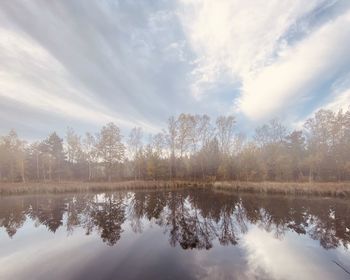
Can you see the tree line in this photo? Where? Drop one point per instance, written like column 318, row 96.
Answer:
column 192, row 147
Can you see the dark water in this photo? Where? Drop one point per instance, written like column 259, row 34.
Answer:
column 181, row 234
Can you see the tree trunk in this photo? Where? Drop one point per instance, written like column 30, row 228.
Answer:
column 44, row 172
column 11, row 172
column 310, row 175
column 50, row 170
column 22, row 171
column 89, row 165
column 37, row 166
column 135, row 170
column 139, row 168
column 59, row 171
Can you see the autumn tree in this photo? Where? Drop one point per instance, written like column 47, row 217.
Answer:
column 328, row 145
column 12, row 157
column 90, row 152
column 191, row 148
column 75, row 164
column 34, row 159
column 73, row 147
column 224, row 133
column 295, row 144
column 134, row 146
column 111, row 149
column 271, row 140
column 53, row 148
column 171, row 137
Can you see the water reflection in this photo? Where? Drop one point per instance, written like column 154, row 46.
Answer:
column 192, row 219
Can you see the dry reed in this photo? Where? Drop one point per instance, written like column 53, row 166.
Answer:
column 287, row 188
column 341, row 189
column 65, row 187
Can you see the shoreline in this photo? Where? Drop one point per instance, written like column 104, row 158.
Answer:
column 330, row 189
column 323, row 189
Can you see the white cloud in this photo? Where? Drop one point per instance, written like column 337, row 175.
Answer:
column 237, row 37
column 341, row 101
column 298, row 71
column 338, row 99
column 249, row 43
column 289, row 258
column 136, row 63
column 31, row 76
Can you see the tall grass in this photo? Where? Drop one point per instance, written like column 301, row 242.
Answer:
column 64, row 187
column 288, row 188
column 318, row 189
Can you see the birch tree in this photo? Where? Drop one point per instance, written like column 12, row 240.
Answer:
column 111, row 149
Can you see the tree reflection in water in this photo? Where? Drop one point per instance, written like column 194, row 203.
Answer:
column 193, row 218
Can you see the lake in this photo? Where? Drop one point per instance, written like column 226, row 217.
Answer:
column 173, row 234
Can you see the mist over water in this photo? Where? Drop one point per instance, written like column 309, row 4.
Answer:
column 187, row 234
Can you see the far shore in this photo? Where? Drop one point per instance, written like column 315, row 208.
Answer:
column 330, row 189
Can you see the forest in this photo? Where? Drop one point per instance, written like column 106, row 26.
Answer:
column 192, row 147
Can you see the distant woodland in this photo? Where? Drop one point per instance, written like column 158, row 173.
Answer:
column 192, row 147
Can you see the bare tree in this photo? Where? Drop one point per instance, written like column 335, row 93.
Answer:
column 111, row 149
column 134, row 145
column 73, row 146
column 191, row 148
column 224, row 132
column 90, row 151
column 171, row 141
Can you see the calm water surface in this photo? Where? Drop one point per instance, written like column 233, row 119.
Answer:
column 180, row 234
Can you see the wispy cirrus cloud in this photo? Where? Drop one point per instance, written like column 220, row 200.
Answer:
column 38, row 80
column 299, row 72
column 238, row 38
column 278, row 54
column 82, row 64
column 88, row 64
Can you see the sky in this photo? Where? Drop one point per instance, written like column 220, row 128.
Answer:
column 83, row 64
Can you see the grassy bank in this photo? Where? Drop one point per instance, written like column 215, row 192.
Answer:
column 286, row 188
column 66, row 187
